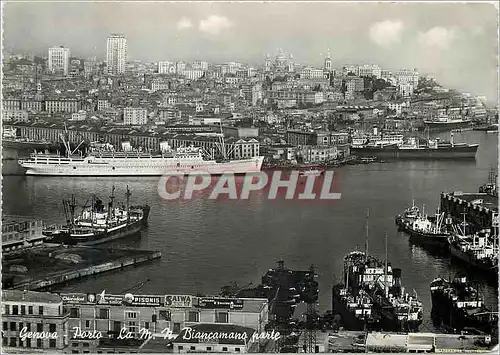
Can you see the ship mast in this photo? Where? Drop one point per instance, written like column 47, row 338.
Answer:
column 111, row 200
column 366, row 235
column 127, row 194
column 386, row 291
column 72, row 206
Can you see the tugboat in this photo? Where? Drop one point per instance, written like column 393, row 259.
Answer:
column 408, row 216
column 458, row 305
column 311, row 172
column 479, row 251
column 97, row 224
column 427, row 233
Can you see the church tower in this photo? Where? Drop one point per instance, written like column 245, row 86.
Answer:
column 268, row 63
column 291, row 65
column 328, row 62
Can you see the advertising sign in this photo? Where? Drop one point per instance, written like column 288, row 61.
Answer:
column 74, row 298
column 129, row 300
column 227, row 303
column 178, row 301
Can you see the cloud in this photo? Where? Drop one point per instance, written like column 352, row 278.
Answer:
column 184, row 23
column 437, row 37
column 214, row 24
column 386, row 33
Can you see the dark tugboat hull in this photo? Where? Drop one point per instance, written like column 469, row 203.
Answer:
column 349, row 319
column 431, row 241
column 488, row 267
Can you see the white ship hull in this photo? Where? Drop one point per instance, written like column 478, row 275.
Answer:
column 154, row 166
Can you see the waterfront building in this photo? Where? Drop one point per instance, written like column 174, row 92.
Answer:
column 110, row 314
column 116, row 54
column 58, row 62
column 28, row 311
column 133, row 116
column 19, row 232
column 318, row 154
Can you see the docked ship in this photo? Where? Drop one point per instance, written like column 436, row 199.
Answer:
column 408, row 216
column 444, row 122
column 412, row 148
column 426, row 232
column 100, row 162
column 354, row 306
column 458, row 305
column 479, row 251
column 392, row 308
column 98, row 223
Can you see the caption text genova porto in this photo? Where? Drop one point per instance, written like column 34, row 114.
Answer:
column 188, row 334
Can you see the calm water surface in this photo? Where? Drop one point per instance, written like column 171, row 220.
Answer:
column 207, row 243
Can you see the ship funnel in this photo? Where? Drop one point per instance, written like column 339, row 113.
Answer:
column 375, row 130
column 396, row 274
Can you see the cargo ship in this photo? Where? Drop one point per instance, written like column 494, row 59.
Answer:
column 413, row 149
column 98, row 223
column 100, row 162
column 394, row 309
column 354, row 306
column 444, row 122
column 458, row 305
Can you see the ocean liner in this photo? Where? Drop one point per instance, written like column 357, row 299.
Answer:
column 100, row 162
column 98, row 223
column 458, row 305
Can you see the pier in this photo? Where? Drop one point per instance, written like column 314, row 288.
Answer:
column 479, row 208
column 50, row 265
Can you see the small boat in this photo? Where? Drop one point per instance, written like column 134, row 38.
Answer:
column 312, row 172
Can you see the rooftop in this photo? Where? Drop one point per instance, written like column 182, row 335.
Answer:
column 30, row 296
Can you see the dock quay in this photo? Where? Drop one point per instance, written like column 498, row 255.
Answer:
column 382, row 342
column 479, row 208
column 52, row 264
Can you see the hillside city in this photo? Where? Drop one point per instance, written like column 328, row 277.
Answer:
column 286, row 111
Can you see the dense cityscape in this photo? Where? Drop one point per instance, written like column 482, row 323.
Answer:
column 89, row 275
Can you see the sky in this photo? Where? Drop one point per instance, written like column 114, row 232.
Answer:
column 455, row 42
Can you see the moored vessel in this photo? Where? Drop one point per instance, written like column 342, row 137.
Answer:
column 182, row 161
column 423, row 231
column 98, row 223
column 459, row 305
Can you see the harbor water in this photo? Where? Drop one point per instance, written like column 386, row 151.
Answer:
column 206, row 244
